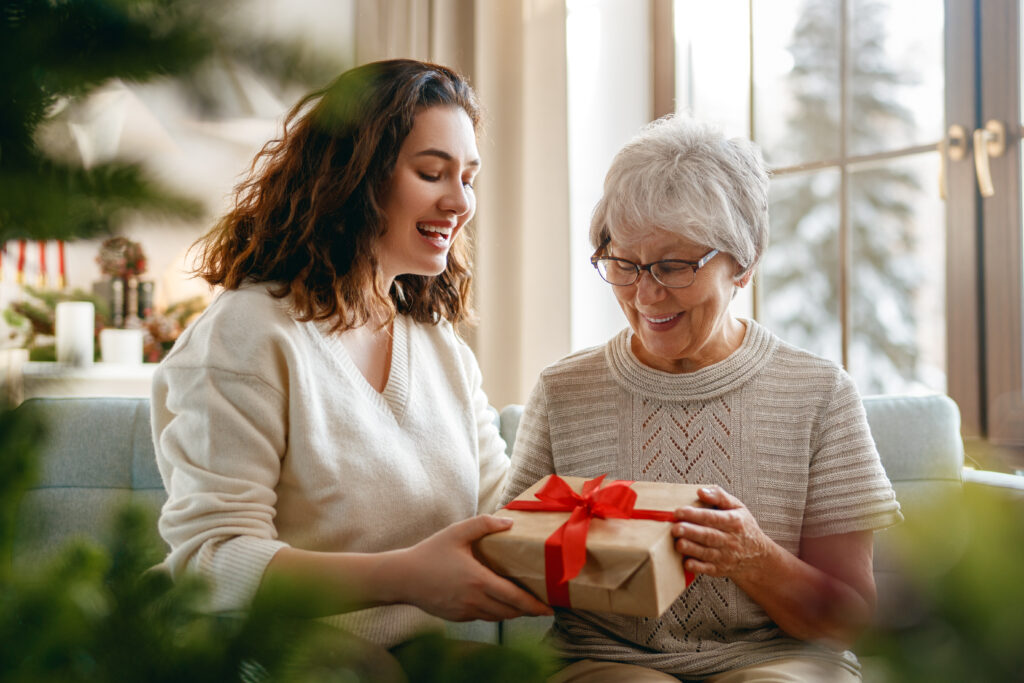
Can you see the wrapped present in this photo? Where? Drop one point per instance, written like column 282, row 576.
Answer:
column 594, row 545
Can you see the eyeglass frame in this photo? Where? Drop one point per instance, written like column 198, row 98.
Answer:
column 640, row 267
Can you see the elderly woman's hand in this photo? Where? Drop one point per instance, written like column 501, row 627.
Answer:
column 722, row 539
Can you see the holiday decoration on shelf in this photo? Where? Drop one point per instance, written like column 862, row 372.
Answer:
column 39, row 263
column 120, row 257
column 123, row 261
column 30, row 321
column 161, row 329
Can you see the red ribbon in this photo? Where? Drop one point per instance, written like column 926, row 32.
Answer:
column 565, row 551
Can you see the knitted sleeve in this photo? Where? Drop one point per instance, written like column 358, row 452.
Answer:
column 531, row 457
column 847, row 489
column 219, row 436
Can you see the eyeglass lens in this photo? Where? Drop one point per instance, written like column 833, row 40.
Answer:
column 624, row 273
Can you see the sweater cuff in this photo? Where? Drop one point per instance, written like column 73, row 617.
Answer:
column 235, row 570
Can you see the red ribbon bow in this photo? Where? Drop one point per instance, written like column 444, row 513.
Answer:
column 565, row 550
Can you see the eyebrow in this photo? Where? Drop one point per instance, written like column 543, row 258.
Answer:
column 441, row 154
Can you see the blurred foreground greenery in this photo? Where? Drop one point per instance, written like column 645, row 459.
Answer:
column 966, row 561
column 97, row 612
column 53, row 53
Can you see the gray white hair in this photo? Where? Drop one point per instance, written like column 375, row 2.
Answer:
column 685, row 176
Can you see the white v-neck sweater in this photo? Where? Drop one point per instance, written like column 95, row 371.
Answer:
column 267, row 435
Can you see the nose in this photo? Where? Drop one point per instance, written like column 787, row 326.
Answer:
column 457, row 199
column 648, row 290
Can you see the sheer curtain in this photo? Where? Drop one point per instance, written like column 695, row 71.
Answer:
column 513, row 51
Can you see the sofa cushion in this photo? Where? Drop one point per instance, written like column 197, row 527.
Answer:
column 96, row 442
column 97, row 454
column 918, row 437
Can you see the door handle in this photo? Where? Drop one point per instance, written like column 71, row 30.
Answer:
column 989, row 142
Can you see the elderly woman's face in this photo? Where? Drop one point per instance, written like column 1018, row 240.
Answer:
column 679, row 330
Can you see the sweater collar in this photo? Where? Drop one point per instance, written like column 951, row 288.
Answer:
column 714, row 380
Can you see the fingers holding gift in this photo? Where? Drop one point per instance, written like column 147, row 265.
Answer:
column 717, row 497
column 720, row 542
column 443, row 577
column 720, row 509
column 512, row 601
column 491, row 598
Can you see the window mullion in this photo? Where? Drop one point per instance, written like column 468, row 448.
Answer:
column 845, row 237
column 963, row 298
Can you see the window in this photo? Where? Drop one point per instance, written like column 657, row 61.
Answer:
column 884, row 255
column 845, row 99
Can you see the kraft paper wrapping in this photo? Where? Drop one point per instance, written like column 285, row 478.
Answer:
column 632, row 567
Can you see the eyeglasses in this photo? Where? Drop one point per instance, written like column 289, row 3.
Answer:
column 674, row 273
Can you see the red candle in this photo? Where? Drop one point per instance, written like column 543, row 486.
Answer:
column 21, row 262
column 61, row 279
column 42, row 263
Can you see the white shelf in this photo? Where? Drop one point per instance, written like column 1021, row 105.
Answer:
column 98, row 379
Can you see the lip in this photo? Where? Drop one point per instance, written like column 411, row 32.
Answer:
column 659, row 323
column 438, row 241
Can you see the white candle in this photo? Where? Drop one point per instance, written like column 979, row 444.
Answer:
column 75, row 329
column 121, row 346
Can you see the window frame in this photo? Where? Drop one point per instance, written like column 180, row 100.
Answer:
column 998, row 230
column 984, row 250
column 985, row 294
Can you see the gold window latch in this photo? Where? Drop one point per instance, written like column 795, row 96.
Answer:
column 988, row 143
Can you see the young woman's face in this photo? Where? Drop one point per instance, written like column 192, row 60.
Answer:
column 430, row 196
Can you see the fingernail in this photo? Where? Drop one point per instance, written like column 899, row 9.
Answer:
column 706, row 491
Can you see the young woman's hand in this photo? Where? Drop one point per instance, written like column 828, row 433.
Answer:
column 441, row 575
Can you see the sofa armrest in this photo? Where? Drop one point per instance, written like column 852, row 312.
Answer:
column 1010, row 486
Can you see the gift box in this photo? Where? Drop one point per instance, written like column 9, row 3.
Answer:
column 594, row 545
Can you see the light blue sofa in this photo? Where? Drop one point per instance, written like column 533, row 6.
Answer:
column 99, row 453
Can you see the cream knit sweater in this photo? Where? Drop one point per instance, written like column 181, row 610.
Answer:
column 779, row 428
column 268, row 435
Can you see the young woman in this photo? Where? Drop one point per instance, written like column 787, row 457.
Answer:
column 321, row 422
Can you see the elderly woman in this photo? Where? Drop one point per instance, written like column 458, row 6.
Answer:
column 689, row 393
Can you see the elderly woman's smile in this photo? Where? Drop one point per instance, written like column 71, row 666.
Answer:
column 678, row 329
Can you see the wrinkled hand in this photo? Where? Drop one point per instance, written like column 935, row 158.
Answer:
column 722, row 539
column 443, row 577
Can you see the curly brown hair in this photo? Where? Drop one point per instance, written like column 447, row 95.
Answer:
column 308, row 217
